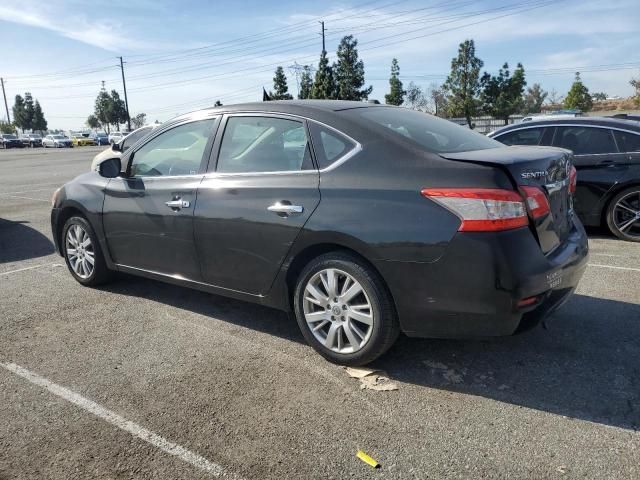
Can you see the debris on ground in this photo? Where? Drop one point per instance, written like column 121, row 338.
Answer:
column 367, row 459
column 372, row 379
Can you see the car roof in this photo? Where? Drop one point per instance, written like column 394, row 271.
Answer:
column 592, row 121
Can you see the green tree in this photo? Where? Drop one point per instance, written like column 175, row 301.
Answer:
column 306, row 83
column 502, row 94
column 38, row 122
column 93, row 122
column 217, row 104
column 349, row 71
column 635, row 83
column 118, row 110
column 463, row 83
column 599, row 96
column 578, row 96
column 534, row 99
column 324, row 86
column 280, row 87
column 396, row 93
column 139, row 120
column 438, row 97
column 20, row 119
column 102, row 109
column 29, row 111
column 6, row 127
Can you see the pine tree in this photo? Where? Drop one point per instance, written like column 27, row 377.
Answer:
column 93, row 122
column 635, row 83
column 118, row 110
column 217, row 104
column 306, row 83
column 349, row 71
column 102, row 108
column 324, row 84
column 396, row 93
column 534, row 99
column 578, row 96
column 29, row 110
column 502, row 94
column 38, row 123
column 280, row 88
column 463, row 83
column 19, row 113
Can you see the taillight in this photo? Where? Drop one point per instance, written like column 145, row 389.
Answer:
column 573, row 179
column 536, row 201
column 482, row 209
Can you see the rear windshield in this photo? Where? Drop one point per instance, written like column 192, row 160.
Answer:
column 432, row 133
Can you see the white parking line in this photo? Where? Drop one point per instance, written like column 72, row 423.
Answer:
column 29, row 198
column 120, row 422
column 29, row 268
column 614, row 267
column 28, row 191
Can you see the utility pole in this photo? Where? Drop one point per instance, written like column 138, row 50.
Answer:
column 323, row 29
column 126, row 102
column 5, row 101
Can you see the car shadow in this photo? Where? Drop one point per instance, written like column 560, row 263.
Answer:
column 18, row 242
column 585, row 365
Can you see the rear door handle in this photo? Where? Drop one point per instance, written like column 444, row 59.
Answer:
column 177, row 204
column 286, row 210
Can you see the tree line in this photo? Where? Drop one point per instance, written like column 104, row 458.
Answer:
column 27, row 115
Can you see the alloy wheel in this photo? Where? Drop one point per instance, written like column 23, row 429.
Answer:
column 80, row 251
column 626, row 214
column 338, row 311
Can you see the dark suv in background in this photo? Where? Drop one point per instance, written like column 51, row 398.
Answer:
column 607, row 158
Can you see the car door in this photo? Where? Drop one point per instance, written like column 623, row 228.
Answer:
column 261, row 189
column 148, row 212
column 628, row 144
column 598, row 162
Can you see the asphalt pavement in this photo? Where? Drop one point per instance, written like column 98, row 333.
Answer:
column 139, row 379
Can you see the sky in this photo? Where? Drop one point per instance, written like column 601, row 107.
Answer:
column 181, row 56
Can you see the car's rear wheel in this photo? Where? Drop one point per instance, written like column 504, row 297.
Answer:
column 623, row 214
column 344, row 309
column 82, row 252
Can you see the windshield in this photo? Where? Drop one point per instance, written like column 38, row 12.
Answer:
column 34, row 135
column 57, row 137
column 9, row 136
column 431, row 133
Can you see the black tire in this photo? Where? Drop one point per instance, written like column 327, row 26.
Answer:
column 385, row 328
column 100, row 274
column 617, row 216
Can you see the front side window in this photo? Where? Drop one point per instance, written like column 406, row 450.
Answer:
column 526, row 136
column 627, row 142
column 133, row 137
column 177, row 151
column 585, row 140
column 264, row 144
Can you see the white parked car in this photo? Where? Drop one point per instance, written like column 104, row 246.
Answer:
column 56, row 141
column 116, row 149
column 115, row 137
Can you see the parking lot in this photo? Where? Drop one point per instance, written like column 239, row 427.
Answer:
column 140, row 379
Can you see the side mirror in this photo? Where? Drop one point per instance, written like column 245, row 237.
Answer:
column 116, row 147
column 110, row 168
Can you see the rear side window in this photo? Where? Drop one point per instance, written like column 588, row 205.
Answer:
column 329, row 145
column 627, row 142
column 526, row 136
column 585, row 140
column 433, row 134
column 264, row 144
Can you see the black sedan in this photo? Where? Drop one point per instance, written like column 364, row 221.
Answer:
column 8, row 140
column 607, row 156
column 363, row 220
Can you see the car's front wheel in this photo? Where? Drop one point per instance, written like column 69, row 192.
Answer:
column 623, row 214
column 344, row 309
column 82, row 252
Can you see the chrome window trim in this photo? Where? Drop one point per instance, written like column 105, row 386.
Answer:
column 335, row 164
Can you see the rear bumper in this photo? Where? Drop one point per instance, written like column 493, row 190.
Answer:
column 474, row 288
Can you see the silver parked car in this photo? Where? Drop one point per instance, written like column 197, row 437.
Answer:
column 56, row 141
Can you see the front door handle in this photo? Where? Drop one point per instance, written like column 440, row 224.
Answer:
column 286, row 209
column 177, row 204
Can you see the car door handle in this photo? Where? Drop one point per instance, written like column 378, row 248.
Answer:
column 284, row 209
column 177, row 204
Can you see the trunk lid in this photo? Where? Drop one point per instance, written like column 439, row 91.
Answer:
column 547, row 168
